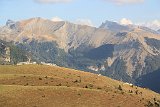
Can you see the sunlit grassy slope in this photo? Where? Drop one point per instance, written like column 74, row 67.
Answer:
column 46, row 86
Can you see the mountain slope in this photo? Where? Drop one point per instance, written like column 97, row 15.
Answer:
column 149, row 79
column 39, row 85
column 66, row 34
column 114, row 50
column 133, row 49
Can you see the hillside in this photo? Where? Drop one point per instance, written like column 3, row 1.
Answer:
column 122, row 52
column 40, row 85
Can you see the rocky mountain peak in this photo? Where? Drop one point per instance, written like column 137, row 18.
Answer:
column 11, row 24
column 108, row 24
column 9, row 21
column 115, row 26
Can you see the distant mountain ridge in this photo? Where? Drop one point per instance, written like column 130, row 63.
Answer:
column 114, row 50
column 116, row 27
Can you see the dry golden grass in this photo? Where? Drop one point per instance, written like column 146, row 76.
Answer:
column 45, row 86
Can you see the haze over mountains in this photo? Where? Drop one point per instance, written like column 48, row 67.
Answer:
column 123, row 52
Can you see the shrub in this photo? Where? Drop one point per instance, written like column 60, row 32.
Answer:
column 86, row 86
column 99, row 88
column 40, row 78
column 120, row 87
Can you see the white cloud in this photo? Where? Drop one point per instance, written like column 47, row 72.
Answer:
column 125, row 21
column 84, row 22
column 56, row 19
column 53, row 1
column 121, row 2
column 155, row 24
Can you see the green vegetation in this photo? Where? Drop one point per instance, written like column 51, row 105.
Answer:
column 45, row 52
column 17, row 54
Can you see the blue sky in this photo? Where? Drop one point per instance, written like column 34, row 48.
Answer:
column 91, row 11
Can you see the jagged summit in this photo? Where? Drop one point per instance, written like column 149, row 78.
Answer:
column 62, row 32
column 9, row 21
column 107, row 23
column 116, row 27
column 11, row 24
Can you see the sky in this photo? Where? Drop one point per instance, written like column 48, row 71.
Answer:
column 89, row 12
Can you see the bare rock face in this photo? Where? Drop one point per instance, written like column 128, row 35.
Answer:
column 110, row 44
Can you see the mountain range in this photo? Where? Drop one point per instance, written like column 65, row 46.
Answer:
column 128, row 53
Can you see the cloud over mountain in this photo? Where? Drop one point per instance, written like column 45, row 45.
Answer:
column 56, row 19
column 84, row 22
column 125, row 21
column 154, row 24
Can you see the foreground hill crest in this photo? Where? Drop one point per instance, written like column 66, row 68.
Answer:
column 40, row 85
